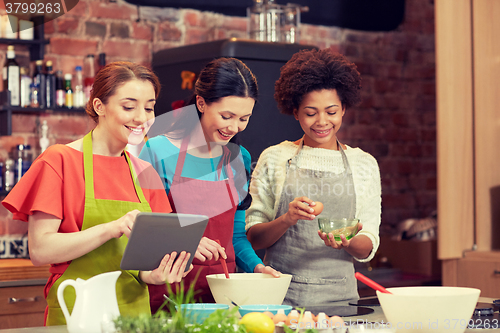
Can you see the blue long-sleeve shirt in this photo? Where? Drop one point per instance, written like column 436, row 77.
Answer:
column 163, row 156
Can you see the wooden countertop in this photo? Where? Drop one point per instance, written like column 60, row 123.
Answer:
column 22, row 269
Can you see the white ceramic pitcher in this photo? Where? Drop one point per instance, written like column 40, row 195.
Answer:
column 95, row 302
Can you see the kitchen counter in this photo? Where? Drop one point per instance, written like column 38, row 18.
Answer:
column 21, row 270
column 364, row 323
column 21, row 293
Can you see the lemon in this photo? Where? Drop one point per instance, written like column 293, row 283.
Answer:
column 257, row 322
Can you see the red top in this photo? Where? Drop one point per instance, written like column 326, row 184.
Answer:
column 55, row 185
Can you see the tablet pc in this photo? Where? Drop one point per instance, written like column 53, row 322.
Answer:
column 156, row 234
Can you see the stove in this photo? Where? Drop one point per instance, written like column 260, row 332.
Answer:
column 486, row 316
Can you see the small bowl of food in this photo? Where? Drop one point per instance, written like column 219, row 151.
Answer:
column 346, row 227
column 273, row 308
column 198, row 312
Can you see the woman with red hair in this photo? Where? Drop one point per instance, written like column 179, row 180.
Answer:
column 81, row 199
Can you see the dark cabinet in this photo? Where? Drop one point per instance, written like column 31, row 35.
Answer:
column 267, row 125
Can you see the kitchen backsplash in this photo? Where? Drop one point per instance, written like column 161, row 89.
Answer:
column 14, row 246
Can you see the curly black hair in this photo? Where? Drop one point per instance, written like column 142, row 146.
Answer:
column 312, row 70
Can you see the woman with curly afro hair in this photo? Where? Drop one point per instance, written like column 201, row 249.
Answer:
column 292, row 179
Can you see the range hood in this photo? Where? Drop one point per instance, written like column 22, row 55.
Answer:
column 367, row 15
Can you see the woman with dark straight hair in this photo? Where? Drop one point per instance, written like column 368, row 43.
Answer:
column 81, row 199
column 205, row 171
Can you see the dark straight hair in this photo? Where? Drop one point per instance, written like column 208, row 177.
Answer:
column 224, row 77
column 221, row 77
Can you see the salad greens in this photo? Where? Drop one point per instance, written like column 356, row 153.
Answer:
column 175, row 320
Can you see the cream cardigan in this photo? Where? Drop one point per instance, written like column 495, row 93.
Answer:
column 269, row 176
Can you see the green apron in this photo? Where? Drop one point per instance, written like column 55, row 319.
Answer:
column 131, row 293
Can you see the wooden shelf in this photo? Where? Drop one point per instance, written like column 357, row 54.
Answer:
column 6, row 112
column 37, row 44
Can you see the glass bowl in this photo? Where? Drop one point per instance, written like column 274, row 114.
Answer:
column 337, row 227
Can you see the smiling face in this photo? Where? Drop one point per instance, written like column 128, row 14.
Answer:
column 320, row 116
column 225, row 118
column 128, row 114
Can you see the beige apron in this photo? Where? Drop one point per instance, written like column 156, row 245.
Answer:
column 320, row 274
column 131, row 293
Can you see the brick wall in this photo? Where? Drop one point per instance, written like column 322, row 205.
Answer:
column 395, row 123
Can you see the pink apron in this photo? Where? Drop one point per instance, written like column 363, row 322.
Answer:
column 216, row 199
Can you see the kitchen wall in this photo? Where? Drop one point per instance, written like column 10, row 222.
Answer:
column 395, row 123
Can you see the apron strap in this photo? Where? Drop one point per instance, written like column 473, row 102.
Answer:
column 229, row 171
column 295, row 157
column 181, row 158
column 138, row 189
column 88, row 166
column 225, row 161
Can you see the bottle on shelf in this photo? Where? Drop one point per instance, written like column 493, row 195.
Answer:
column 34, row 95
column 23, row 162
column 78, row 95
column 44, row 140
column 25, row 89
column 9, row 181
column 102, row 61
column 1, row 176
column 88, row 75
column 11, row 77
column 60, row 90
column 40, row 82
column 50, row 86
column 69, row 91
column 19, row 163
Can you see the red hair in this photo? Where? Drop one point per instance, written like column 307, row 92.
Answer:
column 114, row 75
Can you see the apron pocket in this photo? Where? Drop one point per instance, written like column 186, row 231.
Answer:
column 319, row 281
column 309, row 290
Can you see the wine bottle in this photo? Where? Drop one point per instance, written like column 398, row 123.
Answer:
column 40, row 82
column 25, row 90
column 50, row 85
column 11, row 77
column 60, row 90
column 69, row 90
column 78, row 96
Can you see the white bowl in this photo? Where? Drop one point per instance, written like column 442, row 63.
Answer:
column 429, row 309
column 249, row 288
